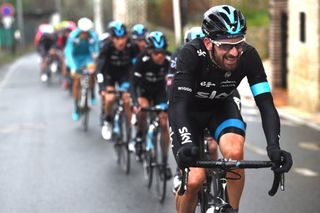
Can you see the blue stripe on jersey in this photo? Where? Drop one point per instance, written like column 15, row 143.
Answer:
column 229, row 123
column 260, row 88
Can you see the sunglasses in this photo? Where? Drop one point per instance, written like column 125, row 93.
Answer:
column 227, row 46
column 158, row 52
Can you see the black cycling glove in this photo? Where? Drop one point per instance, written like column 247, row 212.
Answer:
column 187, row 154
column 281, row 158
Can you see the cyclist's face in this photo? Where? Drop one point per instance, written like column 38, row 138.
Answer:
column 158, row 56
column 226, row 52
column 141, row 43
column 120, row 42
column 84, row 35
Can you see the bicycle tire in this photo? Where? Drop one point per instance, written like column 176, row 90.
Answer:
column 85, row 111
column 147, row 168
column 124, row 150
column 160, row 170
column 202, row 201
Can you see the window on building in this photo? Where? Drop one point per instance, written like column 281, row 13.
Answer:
column 302, row 27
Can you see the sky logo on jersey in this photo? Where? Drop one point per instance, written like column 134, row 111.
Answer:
column 201, row 53
column 185, row 135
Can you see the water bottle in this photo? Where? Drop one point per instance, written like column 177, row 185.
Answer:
column 116, row 127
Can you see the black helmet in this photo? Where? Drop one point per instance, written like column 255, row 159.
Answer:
column 223, row 21
column 117, row 29
column 156, row 40
column 138, row 31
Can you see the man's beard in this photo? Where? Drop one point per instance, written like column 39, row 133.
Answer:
column 219, row 61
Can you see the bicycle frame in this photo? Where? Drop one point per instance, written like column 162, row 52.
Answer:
column 121, row 131
column 154, row 157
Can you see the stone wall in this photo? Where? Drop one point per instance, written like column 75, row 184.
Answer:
column 304, row 57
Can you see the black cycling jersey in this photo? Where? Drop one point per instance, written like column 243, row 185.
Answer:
column 114, row 64
column 149, row 78
column 46, row 42
column 201, row 86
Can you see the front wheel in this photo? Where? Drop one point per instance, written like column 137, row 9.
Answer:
column 124, row 138
column 147, row 168
column 85, row 113
column 202, row 205
column 161, row 168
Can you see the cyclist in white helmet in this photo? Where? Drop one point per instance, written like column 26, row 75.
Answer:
column 81, row 50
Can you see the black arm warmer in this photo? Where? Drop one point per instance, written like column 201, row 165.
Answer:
column 270, row 119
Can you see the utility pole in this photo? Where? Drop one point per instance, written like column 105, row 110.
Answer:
column 97, row 11
column 20, row 20
column 177, row 21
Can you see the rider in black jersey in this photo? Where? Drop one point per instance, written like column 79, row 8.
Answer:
column 138, row 36
column 149, row 83
column 114, row 64
column 208, row 72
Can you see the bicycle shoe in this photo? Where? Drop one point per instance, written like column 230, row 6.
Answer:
column 75, row 116
column 44, row 77
column 131, row 146
column 93, row 101
column 106, row 130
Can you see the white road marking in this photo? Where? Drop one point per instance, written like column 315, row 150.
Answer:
column 310, row 146
column 306, row 172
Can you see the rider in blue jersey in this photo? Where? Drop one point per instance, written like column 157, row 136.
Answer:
column 81, row 50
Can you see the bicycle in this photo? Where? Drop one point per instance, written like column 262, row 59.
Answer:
column 84, row 107
column 213, row 197
column 121, row 131
column 54, row 67
column 153, row 160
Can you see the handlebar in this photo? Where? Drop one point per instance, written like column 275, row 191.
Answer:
column 154, row 109
column 117, row 91
column 233, row 164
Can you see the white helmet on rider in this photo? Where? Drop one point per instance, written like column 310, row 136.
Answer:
column 85, row 24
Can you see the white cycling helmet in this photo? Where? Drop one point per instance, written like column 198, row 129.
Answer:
column 85, row 24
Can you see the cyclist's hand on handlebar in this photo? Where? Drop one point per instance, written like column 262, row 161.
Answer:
column 187, row 154
column 281, row 158
column 135, row 107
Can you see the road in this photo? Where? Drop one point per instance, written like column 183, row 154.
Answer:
column 48, row 164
